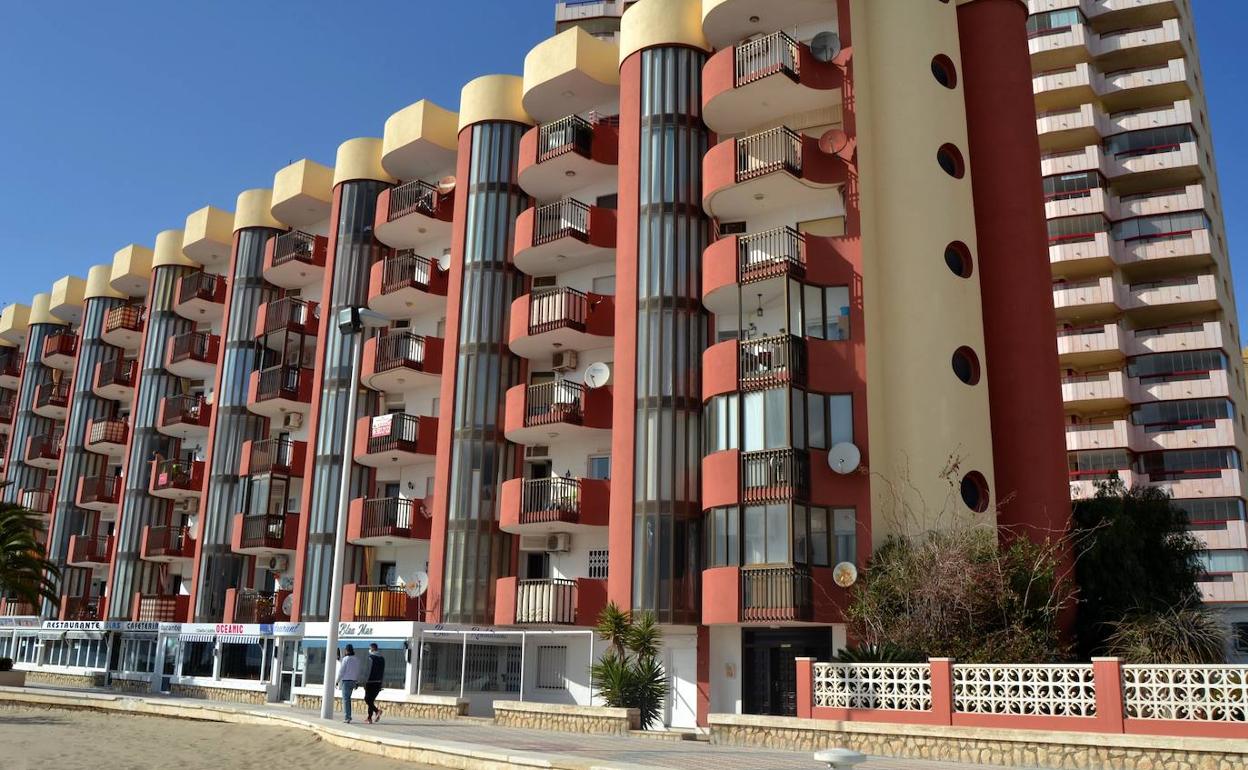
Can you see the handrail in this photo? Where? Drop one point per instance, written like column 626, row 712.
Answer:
column 403, row 434
column 294, row 246
column 184, row 410
column 775, row 475
column 416, row 196
column 779, row 251
column 557, row 308
column 264, row 530
column 766, row 56
column 280, row 382
column 553, row 499
column 570, row 134
column 117, row 371
column 566, row 217
column 552, row 402
column 130, row 317
column 406, row 270
column 765, row 361
column 776, row 593
column 383, row 516
column 776, row 149
column 199, row 285
column 195, row 346
column 108, row 431
column 548, row 600
column 272, row 454
column 400, row 349
column 379, row 602
column 287, row 312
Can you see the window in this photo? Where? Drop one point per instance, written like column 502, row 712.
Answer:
column 1183, row 364
column 833, row 535
column 551, row 667
column 599, row 467
column 1149, row 141
column 27, row 649
column 723, row 540
column 1097, row 465
column 974, row 490
column 720, row 419
column 766, row 420
column 598, row 561
column 137, row 655
column 1212, row 509
column 944, row 71
column 1194, row 414
column 1160, row 226
column 1081, row 228
column 604, row 284
column 829, row 420
column 767, row 534
column 1052, row 22
column 197, row 658
column 75, row 653
column 950, row 160
column 1222, row 562
column 819, row 312
column 1187, row 463
column 394, row 651
column 242, row 661
column 1062, row 186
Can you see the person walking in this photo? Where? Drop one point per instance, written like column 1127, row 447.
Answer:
column 348, row 679
column 372, row 686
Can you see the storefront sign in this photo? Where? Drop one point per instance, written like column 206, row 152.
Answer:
column 288, row 629
column 100, row 625
column 19, row 622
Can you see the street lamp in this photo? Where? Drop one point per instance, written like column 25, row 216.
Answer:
column 352, row 321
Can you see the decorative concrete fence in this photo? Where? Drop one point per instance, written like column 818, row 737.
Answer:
column 1103, row 696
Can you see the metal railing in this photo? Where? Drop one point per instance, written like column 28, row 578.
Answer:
column 193, row 346
column 168, row 541
column 551, row 402
column 289, row 313
column 294, row 246
column 776, row 593
column 766, row 361
column 7, row 409
column 264, row 531
column 402, row 435
column 159, row 608
column 387, row 603
column 129, row 317
column 550, row 600
column 100, row 489
column 63, row 343
column 406, row 270
column 16, row 608
column 178, row 474
column 387, row 516
column 108, row 432
column 777, row 149
column 570, row 134
column 272, row 455
column 771, row 253
column 251, row 606
column 416, row 196
column 766, row 56
column 565, row 218
column 92, row 548
column 557, row 308
column 281, row 382
column 46, row 446
column 184, row 410
column 83, row 608
column 52, row 394
column 200, row 285
column 37, row 500
column 550, row 500
column 399, row 350
column 10, row 363
column 117, row 371
column 774, row 475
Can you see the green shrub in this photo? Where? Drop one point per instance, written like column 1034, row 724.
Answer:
column 629, row 674
column 1186, row 635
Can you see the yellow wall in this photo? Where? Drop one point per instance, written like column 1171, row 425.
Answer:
column 67, row 295
column 360, row 158
column 652, row 23
column 98, row 278
column 423, row 120
column 40, row 305
column 492, row 97
column 254, row 209
column 168, row 250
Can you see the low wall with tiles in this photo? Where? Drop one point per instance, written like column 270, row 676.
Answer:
column 1008, row 748
column 227, row 694
column 591, row 720
column 414, row 707
column 134, row 686
column 57, row 679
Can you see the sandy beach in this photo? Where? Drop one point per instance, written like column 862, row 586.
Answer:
column 40, row 739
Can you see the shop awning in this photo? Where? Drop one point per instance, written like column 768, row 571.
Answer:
column 84, row 634
column 52, row 634
column 190, row 637
column 240, row 639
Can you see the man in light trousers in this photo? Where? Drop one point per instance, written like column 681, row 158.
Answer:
column 348, row 677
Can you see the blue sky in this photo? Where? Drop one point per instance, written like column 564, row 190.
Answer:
column 117, row 119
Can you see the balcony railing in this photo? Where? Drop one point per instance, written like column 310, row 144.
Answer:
column 129, row 317
column 377, row 603
column 16, row 608
column 10, row 363
column 64, row 343
column 184, row 410
column 414, row 197
column 160, row 608
column 108, row 432
column 400, row 350
column 117, row 371
column 387, row 517
column 252, row 606
column 554, row 402
column 100, row 489
column 776, row 594
column 179, row 474
column 561, row 308
column 766, row 56
column 777, row 149
column 774, row 475
column 194, row 346
column 94, row 549
column 768, row 361
column 570, row 134
column 566, row 218
column 265, row 531
column 272, row 455
column 551, row 600
column 200, row 285
column 37, row 500
column 295, row 246
column 551, row 500
column 289, row 313
column 406, row 270
column 280, row 382
column 84, row 608
column 402, row 435
column 168, row 541
column 781, row 251
column 46, row 446
column 7, row 409
column 52, row 394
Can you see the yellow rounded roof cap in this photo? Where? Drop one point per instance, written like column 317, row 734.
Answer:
column 651, row 23
column 360, row 158
column 493, row 98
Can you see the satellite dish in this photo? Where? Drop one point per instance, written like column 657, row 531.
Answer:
column 845, row 574
column 446, row 185
column 417, row 585
column 597, row 374
column 833, row 141
column 444, row 262
column 844, row 458
column 825, row 46
column 288, row 604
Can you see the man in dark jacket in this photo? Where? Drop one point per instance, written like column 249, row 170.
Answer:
column 372, row 686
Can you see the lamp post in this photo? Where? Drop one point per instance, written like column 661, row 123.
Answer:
column 352, row 321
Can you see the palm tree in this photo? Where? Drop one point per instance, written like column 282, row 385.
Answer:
column 25, row 572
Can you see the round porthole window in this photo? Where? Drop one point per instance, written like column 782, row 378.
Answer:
column 974, row 490
column 950, row 159
column 958, row 258
column 943, row 70
column 966, row 365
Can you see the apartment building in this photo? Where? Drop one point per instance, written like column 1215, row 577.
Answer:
column 1153, row 380
column 681, row 318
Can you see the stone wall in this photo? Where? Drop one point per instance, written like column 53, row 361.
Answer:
column 57, row 679
column 135, row 686
column 417, row 707
column 590, row 720
column 228, row 694
column 1009, row 748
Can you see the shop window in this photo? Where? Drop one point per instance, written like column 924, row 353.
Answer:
column 197, row 659
column 242, row 661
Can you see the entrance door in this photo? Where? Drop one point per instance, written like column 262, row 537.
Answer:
column 769, row 666
column 289, row 670
column 168, row 661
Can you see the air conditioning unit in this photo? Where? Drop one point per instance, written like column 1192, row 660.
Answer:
column 278, row 564
column 564, row 361
column 533, row 542
column 537, row 450
column 292, row 420
column 559, row 543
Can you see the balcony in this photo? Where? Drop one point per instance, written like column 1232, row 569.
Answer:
column 1097, row 391
column 558, row 504
column 775, row 475
column 44, row 451
column 89, row 550
column 387, row 521
column 1189, row 250
column 201, row 297
column 249, row 606
column 561, row 319
column 549, row 601
column 82, row 608
column 266, row 534
column 280, row 390
column 1186, row 385
column 1147, row 86
column 193, row 355
column 404, row 285
column 184, row 417
column 1112, row 434
column 396, row 441
column 399, row 361
column 761, row 81
column 776, row 170
column 167, row 544
column 287, row 315
column 107, row 437
column 52, row 400
column 1176, row 337
column 1178, row 298
column 1083, row 484
column 36, row 500
column 769, row 258
column 7, row 411
column 10, row 608
column 1092, row 299
column 115, row 379
column 1068, row 129
column 568, row 154
column 60, row 350
column 1082, row 255
column 380, row 603
column 1195, row 434
column 1065, row 87
column 1093, row 345
column 177, row 479
column 1089, row 158
column 295, row 259
column 538, row 414
column 100, row 493
column 123, row 326
column 413, row 215
column 161, row 608
column 563, row 235
column 278, row 456
column 10, row 368
column 1216, row 482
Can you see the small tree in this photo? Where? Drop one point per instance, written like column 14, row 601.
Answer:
column 1134, row 556
column 629, row 674
column 25, row 573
